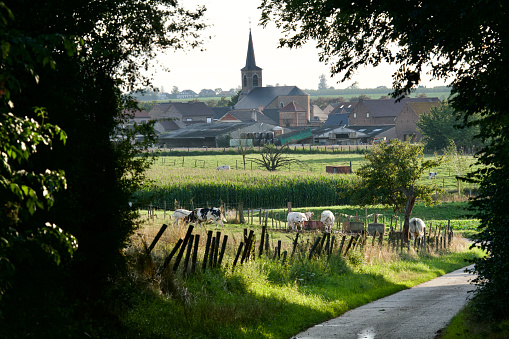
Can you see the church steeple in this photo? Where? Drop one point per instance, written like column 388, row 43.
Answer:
column 251, row 74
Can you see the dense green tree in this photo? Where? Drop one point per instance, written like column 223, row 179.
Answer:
column 74, row 58
column 391, row 175
column 440, row 127
column 464, row 42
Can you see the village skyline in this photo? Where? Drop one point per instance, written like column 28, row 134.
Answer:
column 224, row 54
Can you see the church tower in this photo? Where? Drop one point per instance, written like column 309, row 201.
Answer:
column 251, row 74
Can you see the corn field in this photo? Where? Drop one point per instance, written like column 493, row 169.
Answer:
column 254, row 189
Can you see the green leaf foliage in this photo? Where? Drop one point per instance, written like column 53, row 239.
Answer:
column 464, row 43
column 73, row 60
column 391, row 177
column 441, row 126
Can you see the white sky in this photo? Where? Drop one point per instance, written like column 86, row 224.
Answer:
column 225, row 54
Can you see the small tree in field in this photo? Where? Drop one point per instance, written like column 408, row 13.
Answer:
column 390, row 177
column 273, row 157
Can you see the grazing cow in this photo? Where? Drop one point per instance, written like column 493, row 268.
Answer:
column 180, row 214
column 432, row 175
column 223, row 167
column 416, row 228
column 297, row 218
column 327, row 218
column 200, row 215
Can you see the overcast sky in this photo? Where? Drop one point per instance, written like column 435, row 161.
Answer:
column 225, row 54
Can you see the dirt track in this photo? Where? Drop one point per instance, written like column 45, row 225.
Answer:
column 418, row 313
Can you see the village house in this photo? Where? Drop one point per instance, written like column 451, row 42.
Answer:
column 406, row 127
column 176, row 115
column 380, row 112
column 255, row 96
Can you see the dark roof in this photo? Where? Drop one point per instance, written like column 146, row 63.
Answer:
column 193, row 108
column 171, row 125
column 372, row 130
column 265, row 95
column 389, row 107
column 272, row 113
column 292, row 107
column 250, row 58
column 344, row 107
column 247, row 116
column 204, row 130
column 220, row 111
column 338, row 119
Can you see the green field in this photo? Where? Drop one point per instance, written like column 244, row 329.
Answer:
column 190, row 179
column 268, row 297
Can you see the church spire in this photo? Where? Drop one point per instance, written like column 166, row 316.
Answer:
column 250, row 58
column 251, row 74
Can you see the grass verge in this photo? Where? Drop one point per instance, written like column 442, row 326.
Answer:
column 266, row 299
column 467, row 324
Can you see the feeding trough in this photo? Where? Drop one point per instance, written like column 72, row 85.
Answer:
column 353, row 226
column 313, row 225
column 376, row 227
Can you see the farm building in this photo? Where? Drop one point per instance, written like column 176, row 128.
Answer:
column 176, row 115
column 380, row 112
column 214, row 135
column 406, row 128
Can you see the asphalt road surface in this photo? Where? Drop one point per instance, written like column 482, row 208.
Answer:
column 416, row 313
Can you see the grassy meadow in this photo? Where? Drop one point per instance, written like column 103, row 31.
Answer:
column 254, row 299
column 190, row 180
column 270, row 296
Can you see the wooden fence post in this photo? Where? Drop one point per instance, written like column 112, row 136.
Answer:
column 207, row 247
column 195, row 252
column 188, row 254
column 262, row 238
column 349, row 245
column 331, row 245
column 317, row 241
column 341, row 245
column 181, row 252
column 238, row 254
column 294, row 244
column 211, row 253
column 156, row 239
column 223, row 248
column 168, row 258
column 247, row 247
column 216, row 248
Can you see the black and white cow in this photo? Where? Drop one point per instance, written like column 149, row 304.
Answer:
column 200, row 215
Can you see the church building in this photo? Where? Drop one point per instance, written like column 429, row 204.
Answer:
column 270, row 100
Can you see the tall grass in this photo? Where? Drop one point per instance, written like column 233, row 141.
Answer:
column 267, row 299
column 202, row 187
column 193, row 181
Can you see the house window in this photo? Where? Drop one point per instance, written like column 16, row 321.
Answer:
column 355, row 115
column 189, row 119
column 367, row 115
column 255, row 80
column 245, row 80
column 209, row 120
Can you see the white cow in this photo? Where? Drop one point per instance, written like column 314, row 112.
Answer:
column 416, row 228
column 223, row 167
column 327, row 218
column 200, row 215
column 180, row 214
column 297, row 218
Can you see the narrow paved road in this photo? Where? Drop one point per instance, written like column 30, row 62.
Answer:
column 417, row 313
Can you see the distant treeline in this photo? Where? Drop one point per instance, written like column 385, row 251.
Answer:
column 382, row 90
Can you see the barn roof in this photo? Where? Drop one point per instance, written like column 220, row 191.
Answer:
column 264, row 96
